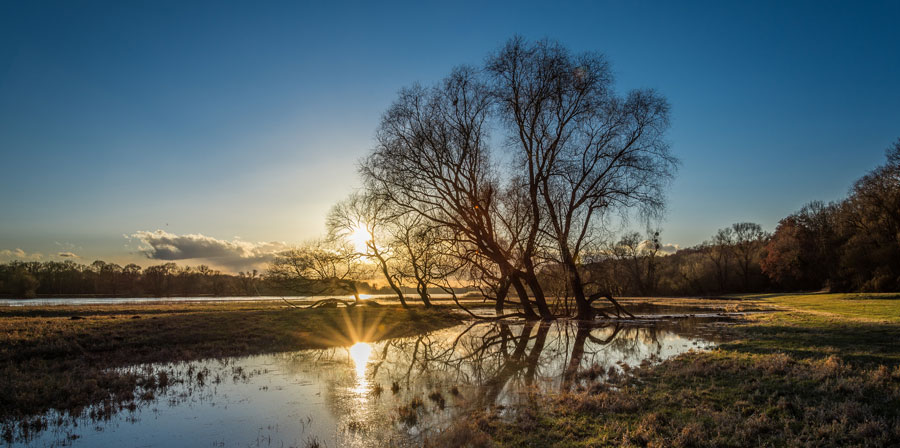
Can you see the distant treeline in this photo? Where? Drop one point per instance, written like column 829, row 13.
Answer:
column 52, row 278
column 849, row 245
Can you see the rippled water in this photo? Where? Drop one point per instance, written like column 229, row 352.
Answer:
column 393, row 392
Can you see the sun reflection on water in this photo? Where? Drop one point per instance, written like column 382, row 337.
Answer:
column 360, row 353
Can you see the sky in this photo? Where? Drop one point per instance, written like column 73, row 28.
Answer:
column 218, row 132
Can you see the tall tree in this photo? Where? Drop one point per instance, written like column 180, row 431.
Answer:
column 581, row 153
column 584, row 150
column 432, row 159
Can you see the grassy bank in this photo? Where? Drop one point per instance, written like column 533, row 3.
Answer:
column 60, row 356
column 824, row 371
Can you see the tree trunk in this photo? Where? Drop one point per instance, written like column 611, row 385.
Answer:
column 538, row 291
column 502, row 291
column 523, row 298
column 390, row 279
column 423, row 293
column 583, row 306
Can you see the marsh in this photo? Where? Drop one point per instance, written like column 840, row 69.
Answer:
column 374, row 380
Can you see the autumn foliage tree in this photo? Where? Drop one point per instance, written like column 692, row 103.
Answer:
column 849, row 245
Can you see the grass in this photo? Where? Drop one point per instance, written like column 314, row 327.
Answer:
column 868, row 307
column 61, row 357
column 824, row 371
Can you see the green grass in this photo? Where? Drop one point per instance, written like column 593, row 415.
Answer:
column 61, row 357
column 878, row 307
column 825, row 371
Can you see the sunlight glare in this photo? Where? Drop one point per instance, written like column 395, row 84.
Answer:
column 360, row 353
column 359, row 237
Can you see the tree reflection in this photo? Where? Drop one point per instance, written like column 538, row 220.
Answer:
column 500, row 358
column 497, row 365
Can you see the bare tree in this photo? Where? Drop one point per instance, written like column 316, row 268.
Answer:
column 370, row 215
column 748, row 242
column 248, row 282
column 639, row 256
column 584, row 151
column 432, row 159
column 720, row 250
column 415, row 241
column 319, row 267
column 580, row 152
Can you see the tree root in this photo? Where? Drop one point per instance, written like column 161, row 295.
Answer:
column 324, row 303
column 618, row 309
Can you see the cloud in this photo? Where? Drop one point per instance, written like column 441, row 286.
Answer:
column 235, row 254
column 19, row 254
column 669, row 249
column 665, row 249
column 67, row 255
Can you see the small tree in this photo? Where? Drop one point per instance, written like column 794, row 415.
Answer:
column 319, row 267
column 749, row 239
column 720, row 251
column 367, row 216
column 638, row 255
column 23, row 283
column 416, row 243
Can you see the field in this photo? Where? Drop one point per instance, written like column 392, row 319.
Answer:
column 823, row 371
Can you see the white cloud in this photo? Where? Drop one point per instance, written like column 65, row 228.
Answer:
column 665, row 249
column 235, row 254
column 67, row 255
column 19, row 254
column 669, row 249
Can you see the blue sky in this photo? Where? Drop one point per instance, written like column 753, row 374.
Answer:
column 243, row 122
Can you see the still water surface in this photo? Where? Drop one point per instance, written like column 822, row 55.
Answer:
column 398, row 392
column 298, row 300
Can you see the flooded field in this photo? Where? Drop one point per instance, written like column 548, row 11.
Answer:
column 393, row 392
column 297, row 300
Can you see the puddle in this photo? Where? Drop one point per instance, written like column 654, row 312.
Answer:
column 396, row 392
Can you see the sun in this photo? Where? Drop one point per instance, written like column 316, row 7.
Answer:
column 359, row 238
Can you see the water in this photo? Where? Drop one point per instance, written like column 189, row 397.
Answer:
column 344, row 396
column 298, row 300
